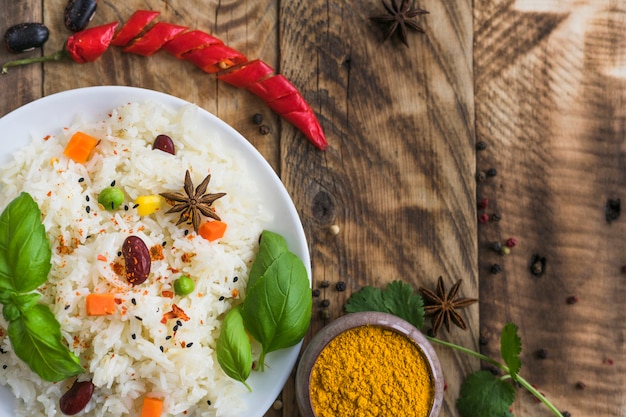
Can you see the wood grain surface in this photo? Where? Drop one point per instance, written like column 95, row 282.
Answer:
column 550, row 107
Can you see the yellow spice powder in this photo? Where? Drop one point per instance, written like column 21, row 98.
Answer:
column 371, row 371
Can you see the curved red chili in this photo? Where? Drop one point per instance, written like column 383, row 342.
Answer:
column 245, row 74
column 89, row 44
column 137, row 22
column 188, row 41
column 154, row 38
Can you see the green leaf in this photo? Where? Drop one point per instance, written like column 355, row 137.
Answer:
column 510, row 349
column 234, row 353
column 277, row 308
column 366, row 299
column 400, row 300
column 24, row 248
column 36, row 339
column 272, row 245
column 485, row 395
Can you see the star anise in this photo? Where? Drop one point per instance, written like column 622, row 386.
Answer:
column 399, row 18
column 192, row 204
column 444, row 305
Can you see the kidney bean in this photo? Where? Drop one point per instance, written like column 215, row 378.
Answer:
column 137, row 258
column 25, row 37
column 76, row 398
column 164, row 143
column 78, row 14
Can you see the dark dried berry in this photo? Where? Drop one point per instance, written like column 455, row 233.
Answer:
column 481, row 146
column 542, row 353
column 492, row 172
column 78, row 14
column 25, row 37
column 316, row 292
column 495, row 269
column 76, row 398
column 325, row 303
column 340, row 286
column 164, row 143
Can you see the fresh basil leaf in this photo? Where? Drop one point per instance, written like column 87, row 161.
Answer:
column 482, row 393
column 510, row 349
column 234, row 353
column 366, row 299
column 400, row 300
column 24, row 247
column 36, row 339
column 271, row 246
column 277, row 308
column 16, row 303
column 10, row 312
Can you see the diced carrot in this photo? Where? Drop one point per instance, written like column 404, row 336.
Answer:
column 100, row 304
column 212, row 230
column 152, row 407
column 80, row 147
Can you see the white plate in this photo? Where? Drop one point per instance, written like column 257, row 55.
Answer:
column 49, row 114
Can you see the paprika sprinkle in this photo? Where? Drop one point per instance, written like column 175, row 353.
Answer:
column 371, row 371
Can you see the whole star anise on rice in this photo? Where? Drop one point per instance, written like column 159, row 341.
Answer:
column 192, row 204
column 444, row 305
column 399, row 18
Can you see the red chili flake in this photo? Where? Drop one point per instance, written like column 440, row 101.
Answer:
column 156, row 253
column 483, row 218
column 117, row 301
column 167, row 294
column 511, row 242
column 176, row 313
column 102, row 258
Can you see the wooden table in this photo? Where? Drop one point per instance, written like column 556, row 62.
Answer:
column 540, row 82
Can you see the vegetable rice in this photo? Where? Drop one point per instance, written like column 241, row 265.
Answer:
column 135, row 352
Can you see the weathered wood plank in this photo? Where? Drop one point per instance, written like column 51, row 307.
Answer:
column 549, row 105
column 398, row 176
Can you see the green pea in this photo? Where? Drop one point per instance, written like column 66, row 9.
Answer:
column 111, row 198
column 184, row 285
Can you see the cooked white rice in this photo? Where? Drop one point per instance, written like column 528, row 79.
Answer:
column 122, row 352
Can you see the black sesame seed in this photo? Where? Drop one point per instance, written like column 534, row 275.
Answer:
column 138, row 318
column 87, row 197
column 208, row 402
column 235, row 279
column 132, row 300
column 126, row 207
column 67, row 306
column 175, row 328
column 81, row 179
column 113, row 183
column 88, row 237
column 179, row 323
column 134, row 336
column 221, row 298
column 135, row 206
column 2, row 351
column 190, row 344
column 164, row 243
column 120, row 254
column 168, row 337
column 87, row 209
column 186, row 232
column 162, row 348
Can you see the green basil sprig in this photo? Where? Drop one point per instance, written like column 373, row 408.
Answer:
column 277, row 307
column 234, row 353
column 25, row 256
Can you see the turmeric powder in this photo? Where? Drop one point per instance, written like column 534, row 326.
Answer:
column 371, row 371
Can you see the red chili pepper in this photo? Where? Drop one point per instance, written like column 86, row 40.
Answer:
column 133, row 27
column 272, row 88
column 89, row 44
column 244, row 75
column 154, row 38
column 188, row 41
column 215, row 58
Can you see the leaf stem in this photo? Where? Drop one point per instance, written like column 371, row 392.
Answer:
column 523, row 382
column 57, row 56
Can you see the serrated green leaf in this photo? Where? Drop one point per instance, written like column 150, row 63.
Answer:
column 485, row 395
column 366, row 299
column 400, row 300
column 510, row 349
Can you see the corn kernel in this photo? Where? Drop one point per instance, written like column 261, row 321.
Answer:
column 148, row 204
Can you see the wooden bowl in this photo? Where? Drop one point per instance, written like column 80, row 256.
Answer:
column 355, row 320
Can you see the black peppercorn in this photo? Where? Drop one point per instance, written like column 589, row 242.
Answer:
column 537, row 265
column 572, row 299
column 325, row 284
column 257, row 119
column 495, row 217
column 492, row 172
column 496, row 246
column 612, row 209
column 566, row 414
column 340, row 286
column 542, row 353
column 495, row 269
column 481, row 176
column 581, row 385
column 325, row 303
column 316, row 292
column 481, row 146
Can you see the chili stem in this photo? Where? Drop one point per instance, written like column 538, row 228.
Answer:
column 504, row 368
column 57, row 56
